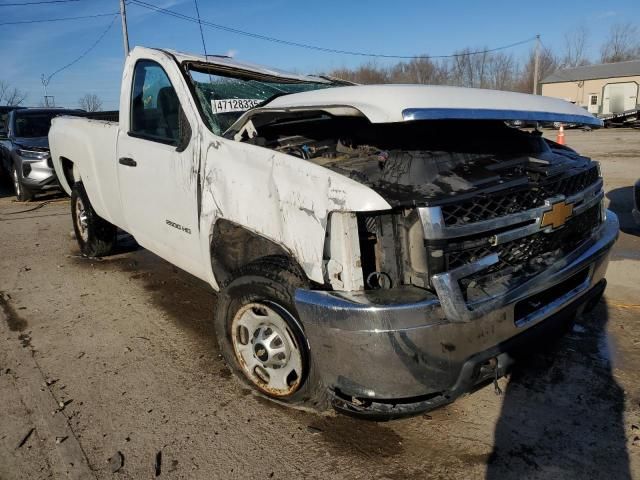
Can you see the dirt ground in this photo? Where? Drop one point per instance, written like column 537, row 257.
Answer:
column 113, row 365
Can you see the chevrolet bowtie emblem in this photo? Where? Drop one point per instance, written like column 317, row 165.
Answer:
column 557, row 216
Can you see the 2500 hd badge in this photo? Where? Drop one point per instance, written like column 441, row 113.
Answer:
column 179, row 227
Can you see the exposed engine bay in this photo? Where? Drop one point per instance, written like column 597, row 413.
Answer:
column 420, row 163
column 472, row 170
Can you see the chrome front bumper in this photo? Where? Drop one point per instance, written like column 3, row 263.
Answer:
column 398, row 346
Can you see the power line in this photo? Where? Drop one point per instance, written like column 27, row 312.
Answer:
column 84, row 54
column 36, row 3
column 19, row 22
column 204, row 45
column 313, row 47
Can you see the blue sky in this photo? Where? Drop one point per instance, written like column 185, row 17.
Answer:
column 402, row 27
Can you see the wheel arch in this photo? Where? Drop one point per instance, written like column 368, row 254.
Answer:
column 232, row 246
column 70, row 174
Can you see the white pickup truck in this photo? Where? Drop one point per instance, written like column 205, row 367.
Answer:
column 379, row 249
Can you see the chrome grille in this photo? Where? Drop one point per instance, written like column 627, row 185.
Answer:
column 530, row 251
column 489, row 207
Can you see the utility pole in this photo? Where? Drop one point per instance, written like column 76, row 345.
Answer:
column 49, row 100
column 536, row 66
column 125, row 31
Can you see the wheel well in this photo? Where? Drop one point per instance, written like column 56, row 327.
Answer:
column 67, row 169
column 233, row 246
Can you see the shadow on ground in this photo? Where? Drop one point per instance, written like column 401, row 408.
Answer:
column 6, row 188
column 621, row 203
column 7, row 191
column 562, row 415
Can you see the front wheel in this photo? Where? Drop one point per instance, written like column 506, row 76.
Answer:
column 22, row 193
column 260, row 335
column 96, row 237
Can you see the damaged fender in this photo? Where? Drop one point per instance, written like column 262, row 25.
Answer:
column 291, row 192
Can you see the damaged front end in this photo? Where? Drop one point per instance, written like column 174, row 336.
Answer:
column 482, row 235
column 492, row 231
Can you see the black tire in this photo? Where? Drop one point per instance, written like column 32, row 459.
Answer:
column 96, row 237
column 271, row 282
column 22, row 193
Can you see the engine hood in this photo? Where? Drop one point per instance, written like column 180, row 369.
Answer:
column 403, row 103
column 37, row 143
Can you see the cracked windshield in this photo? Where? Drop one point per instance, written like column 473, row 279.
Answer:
column 224, row 99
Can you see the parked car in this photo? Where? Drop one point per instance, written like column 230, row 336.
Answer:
column 4, row 116
column 636, row 202
column 4, row 113
column 382, row 249
column 24, row 150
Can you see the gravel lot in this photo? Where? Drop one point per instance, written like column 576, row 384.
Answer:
column 113, row 365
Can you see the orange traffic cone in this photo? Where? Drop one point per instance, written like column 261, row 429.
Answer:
column 560, row 137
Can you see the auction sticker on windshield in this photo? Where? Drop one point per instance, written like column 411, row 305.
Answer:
column 234, row 104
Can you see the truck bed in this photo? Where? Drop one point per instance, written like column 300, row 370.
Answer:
column 89, row 142
column 107, row 116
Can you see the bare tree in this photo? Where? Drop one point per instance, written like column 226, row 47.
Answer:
column 368, row 73
column 548, row 65
column 501, row 72
column 622, row 44
column 575, row 47
column 470, row 69
column 420, row 70
column 90, row 102
column 11, row 96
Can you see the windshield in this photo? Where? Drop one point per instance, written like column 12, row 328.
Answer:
column 224, row 99
column 34, row 125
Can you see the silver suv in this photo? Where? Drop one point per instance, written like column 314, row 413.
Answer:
column 24, row 150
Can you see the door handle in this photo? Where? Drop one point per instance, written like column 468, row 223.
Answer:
column 129, row 162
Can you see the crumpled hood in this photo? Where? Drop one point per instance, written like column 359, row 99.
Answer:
column 398, row 103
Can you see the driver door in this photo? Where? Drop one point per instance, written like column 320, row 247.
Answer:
column 156, row 171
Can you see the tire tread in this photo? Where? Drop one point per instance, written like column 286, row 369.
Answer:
column 102, row 234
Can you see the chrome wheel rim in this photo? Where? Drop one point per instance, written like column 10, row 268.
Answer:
column 81, row 220
column 267, row 350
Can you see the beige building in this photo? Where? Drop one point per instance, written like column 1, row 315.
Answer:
column 602, row 89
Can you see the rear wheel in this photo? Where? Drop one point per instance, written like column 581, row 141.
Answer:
column 96, row 237
column 22, row 193
column 261, row 337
